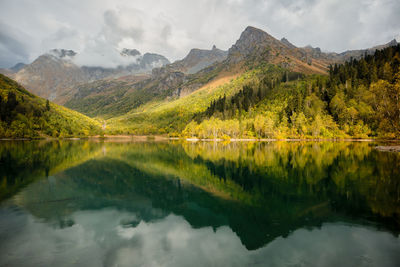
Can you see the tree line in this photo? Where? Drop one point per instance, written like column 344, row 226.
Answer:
column 359, row 98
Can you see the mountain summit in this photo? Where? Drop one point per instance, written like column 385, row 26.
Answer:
column 62, row 53
column 130, row 52
column 256, row 46
column 198, row 59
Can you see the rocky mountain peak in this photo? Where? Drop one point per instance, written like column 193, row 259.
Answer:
column 130, row 52
column 151, row 60
column 252, row 40
column 253, row 34
column 287, row 43
column 198, row 59
column 393, row 43
column 62, row 53
column 17, row 67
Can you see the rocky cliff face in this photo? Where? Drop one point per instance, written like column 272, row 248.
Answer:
column 256, row 46
column 198, row 59
column 252, row 41
column 150, row 61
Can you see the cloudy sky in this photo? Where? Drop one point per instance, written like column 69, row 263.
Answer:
column 98, row 29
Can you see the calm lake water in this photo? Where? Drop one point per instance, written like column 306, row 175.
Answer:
column 81, row 203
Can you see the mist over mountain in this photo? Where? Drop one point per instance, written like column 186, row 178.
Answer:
column 52, row 74
column 199, row 67
column 142, row 79
column 199, row 133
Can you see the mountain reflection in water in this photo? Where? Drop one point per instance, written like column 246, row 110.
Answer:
column 179, row 204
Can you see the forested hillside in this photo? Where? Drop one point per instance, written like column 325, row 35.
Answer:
column 24, row 115
column 358, row 99
column 265, row 88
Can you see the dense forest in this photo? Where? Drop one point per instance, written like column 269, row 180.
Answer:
column 360, row 98
column 24, row 115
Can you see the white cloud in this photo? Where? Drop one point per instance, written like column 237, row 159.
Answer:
column 173, row 27
column 97, row 238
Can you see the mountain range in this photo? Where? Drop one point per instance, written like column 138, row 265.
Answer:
column 184, row 77
column 150, row 80
column 53, row 73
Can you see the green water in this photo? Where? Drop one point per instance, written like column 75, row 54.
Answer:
column 81, row 203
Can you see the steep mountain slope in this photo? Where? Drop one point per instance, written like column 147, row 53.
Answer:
column 254, row 50
column 198, row 59
column 109, row 97
column 24, row 115
column 54, row 74
column 171, row 116
column 114, row 97
column 254, row 47
column 50, row 74
column 358, row 99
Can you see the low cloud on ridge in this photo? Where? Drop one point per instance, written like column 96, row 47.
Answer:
column 98, row 30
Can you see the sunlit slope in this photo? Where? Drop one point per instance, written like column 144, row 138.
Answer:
column 24, row 115
column 172, row 116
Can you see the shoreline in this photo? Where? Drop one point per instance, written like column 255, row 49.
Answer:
column 165, row 138
column 286, row 140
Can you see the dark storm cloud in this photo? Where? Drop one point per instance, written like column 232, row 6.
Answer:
column 12, row 47
column 99, row 29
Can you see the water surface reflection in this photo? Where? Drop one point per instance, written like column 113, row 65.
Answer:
column 172, row 204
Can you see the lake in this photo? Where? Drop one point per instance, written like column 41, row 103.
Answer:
column 95, row 203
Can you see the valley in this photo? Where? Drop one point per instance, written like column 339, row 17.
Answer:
column 199, row 133
column 261, row 87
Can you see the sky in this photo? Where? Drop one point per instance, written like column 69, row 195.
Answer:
column 99, row 29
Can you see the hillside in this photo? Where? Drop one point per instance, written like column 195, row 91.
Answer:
column 114, row 97
column 110, row 98
column 358, row 99
column 265, row 88
column 253, row 49
column 261, row 87
column 171, row 116
column 24, row 115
